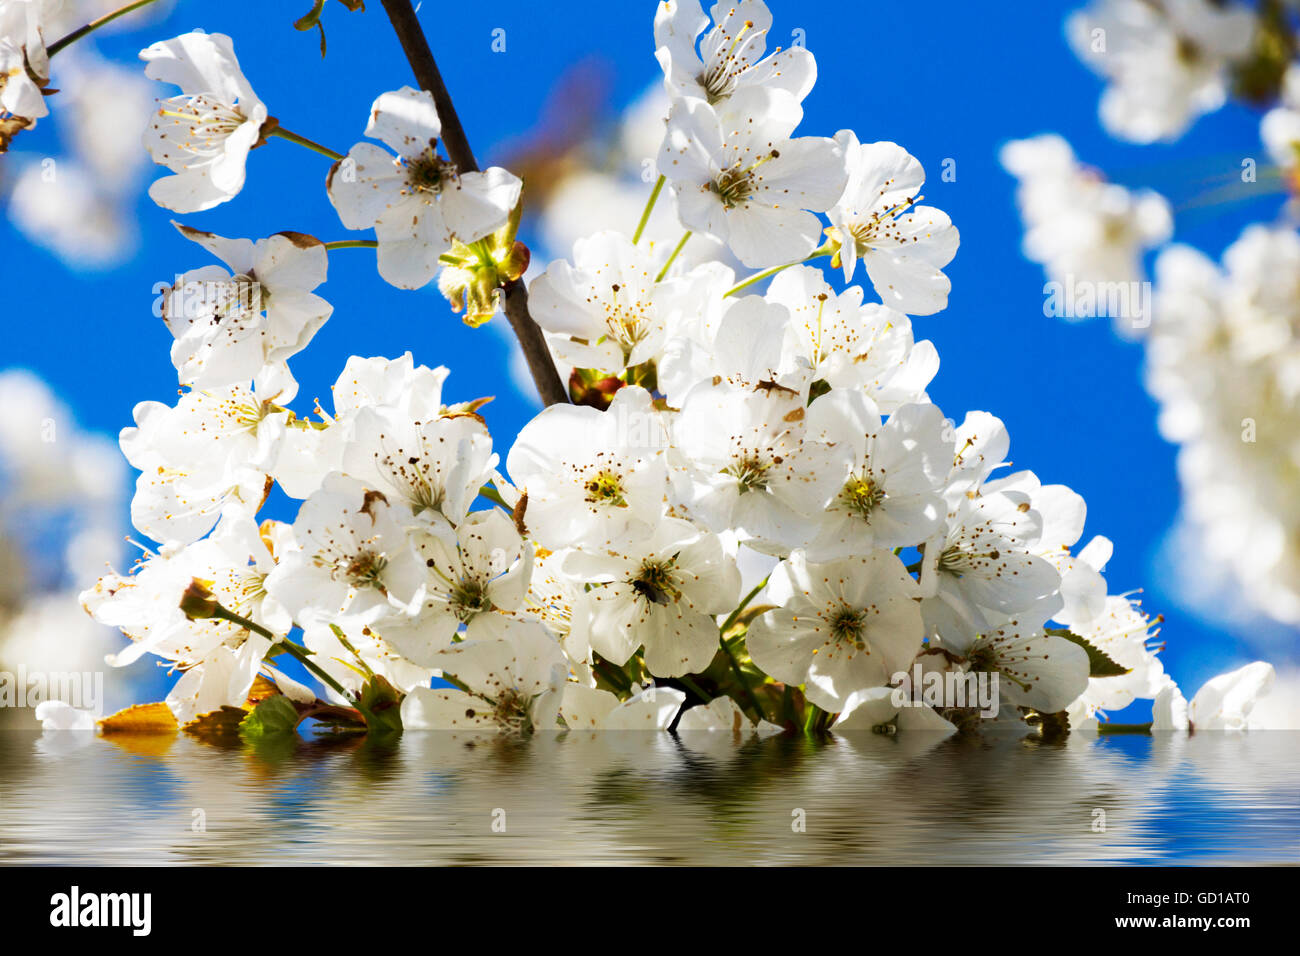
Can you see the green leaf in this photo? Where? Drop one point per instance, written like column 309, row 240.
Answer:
column 1100, row 664
column 380, row 704
column 275, row 715
column 311, row 18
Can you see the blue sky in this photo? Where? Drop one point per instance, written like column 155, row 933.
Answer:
column 945, row 80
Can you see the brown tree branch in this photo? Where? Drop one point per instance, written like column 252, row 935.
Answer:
column 416, row 47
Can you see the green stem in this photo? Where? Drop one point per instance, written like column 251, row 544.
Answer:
column 94, row 25
column 343, row 639
column 283, row 133
column 649, row 208
column 810, row 718
column 300, row 653
column 740, row 676
column 694, row 688
column 767, row 273
column 490, row 492
column 740, row 609
column 664, row 271
column 352, row 244
column 614, row 675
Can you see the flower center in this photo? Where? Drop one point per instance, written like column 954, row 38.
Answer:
column 958, row 560
column 847, row 627
column 469, row 598
column 627, row 319
column 719, row 77
column 750, row 473
column 861, row 495
column 1189, row 53
column 982, row 656
column 733, row 187
column 428, row 172
column 606, row 488
column 361, row 570
column 199, row 124
column 244, row 413
column 511, row 711
column 655, row 584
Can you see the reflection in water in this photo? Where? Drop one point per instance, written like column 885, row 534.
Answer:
column 644, row 797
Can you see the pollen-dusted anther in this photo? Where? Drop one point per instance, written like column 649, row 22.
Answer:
column 847, row 626
column 364, row 570
column 469, row 598
column 733, row 186
column 605, row 487
column 750, row 473
column 430, row 173
column 512, row 711
column 721, row 73
column 861, row 495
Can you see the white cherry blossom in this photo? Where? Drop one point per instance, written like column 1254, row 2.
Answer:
column 214, row 448
column 22, row 48
column 588, row 708
column 234, row 327
column 1035, row 669
column 592, row 477
column 852, row 344
column 202, row 135
column 219, row 659
column 417, row 202
column 753, row 467
column 1127, row 636
column 512, row 683
column 352, row 559
column 723, row 715
column 605, row 307
column 837, row 627
column 436, row 465
column 1089, row 234
column 1166, row 63
column 874, row 708
column 477, row 575
column 1222, row 703
column 740, row 177
column 903, row 246
column 983, row 568
column 889, row 494
column 662, row 593
column 730, row 56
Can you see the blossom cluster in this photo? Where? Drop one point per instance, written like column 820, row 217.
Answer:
column 1167, row 62
column 1221, row 337
column 61, row 496
column 750, row 518
column 79, row 202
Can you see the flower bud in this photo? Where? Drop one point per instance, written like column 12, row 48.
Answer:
column 198, row 602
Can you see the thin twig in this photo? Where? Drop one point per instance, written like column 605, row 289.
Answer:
column 416, row 47
column 93, row 25
column 311, row 144
column 352, row 244
column 536, row 351
column 411, row 35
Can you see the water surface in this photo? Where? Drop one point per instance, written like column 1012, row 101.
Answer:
column 652, row 798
